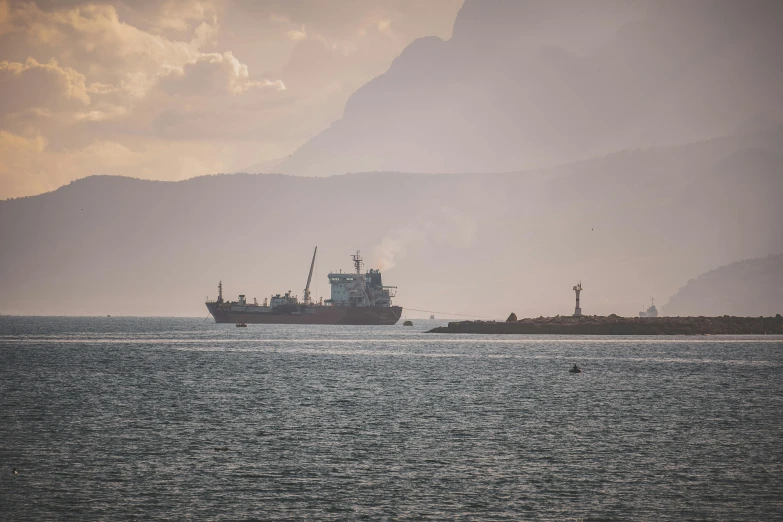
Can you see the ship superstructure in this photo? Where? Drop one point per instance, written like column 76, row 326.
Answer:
column 356, row 299
column 651, row 311
column 358, row 289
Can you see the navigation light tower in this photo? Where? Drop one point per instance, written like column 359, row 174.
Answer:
column 578, row 310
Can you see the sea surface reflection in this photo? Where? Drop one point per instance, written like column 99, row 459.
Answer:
column 138, row 418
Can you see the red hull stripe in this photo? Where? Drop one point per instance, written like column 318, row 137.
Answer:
column 369, row 315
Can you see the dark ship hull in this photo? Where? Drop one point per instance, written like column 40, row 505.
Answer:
column 344, row 315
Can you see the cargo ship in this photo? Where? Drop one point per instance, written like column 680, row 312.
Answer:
column 651, row 311
column 356, row 299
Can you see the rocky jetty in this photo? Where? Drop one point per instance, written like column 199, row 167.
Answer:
column 615, row 325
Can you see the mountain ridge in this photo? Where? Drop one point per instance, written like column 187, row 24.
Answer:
column 492, row 100
column 752, row 286
column 629, row 225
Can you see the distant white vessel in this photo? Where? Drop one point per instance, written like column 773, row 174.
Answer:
column 651, row 311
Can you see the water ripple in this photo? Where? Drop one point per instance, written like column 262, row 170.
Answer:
column 173, row 418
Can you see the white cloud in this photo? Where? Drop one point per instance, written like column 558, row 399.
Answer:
column 110, row 112
column 212, row 73
column 296, row 34
column 94, row 34
column 179, row 88
column 101, row 88
column 40, row 85
column 179, row 15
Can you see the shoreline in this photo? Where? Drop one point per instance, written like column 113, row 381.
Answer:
column 615, row 325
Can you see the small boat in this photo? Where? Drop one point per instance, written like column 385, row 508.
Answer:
column 408, row 323
column 575, row 369
column 241, row 325
column 432, row 317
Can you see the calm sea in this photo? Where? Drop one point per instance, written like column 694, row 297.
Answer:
column 128, row 418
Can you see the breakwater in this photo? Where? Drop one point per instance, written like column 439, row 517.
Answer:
column 615, row 325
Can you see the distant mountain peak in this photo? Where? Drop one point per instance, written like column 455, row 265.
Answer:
column 751, row 287
column 534, row 83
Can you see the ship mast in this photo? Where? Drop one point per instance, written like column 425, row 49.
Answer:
column 309, row 278
column 220, row 291
column 357, row 262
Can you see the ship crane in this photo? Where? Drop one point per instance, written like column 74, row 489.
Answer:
column 307, row 300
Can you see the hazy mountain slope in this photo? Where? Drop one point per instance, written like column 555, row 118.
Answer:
column 529, row 83
column 746, row 288
column 629, row 225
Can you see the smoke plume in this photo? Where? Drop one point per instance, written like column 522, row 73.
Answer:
column 443, row 226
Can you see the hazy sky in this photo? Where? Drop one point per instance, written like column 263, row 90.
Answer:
column 174, row 89
column 673, row 109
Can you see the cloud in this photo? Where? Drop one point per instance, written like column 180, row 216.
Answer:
column 94, row 34
column 32, row 84
column 115, row 69
column 30, row 166
column 101, row 88
column 211, row 74
column 125, row 58
column 110, row 112
column 179, row 15
column 178, row 88
column 295, row 34
column 21, row 169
